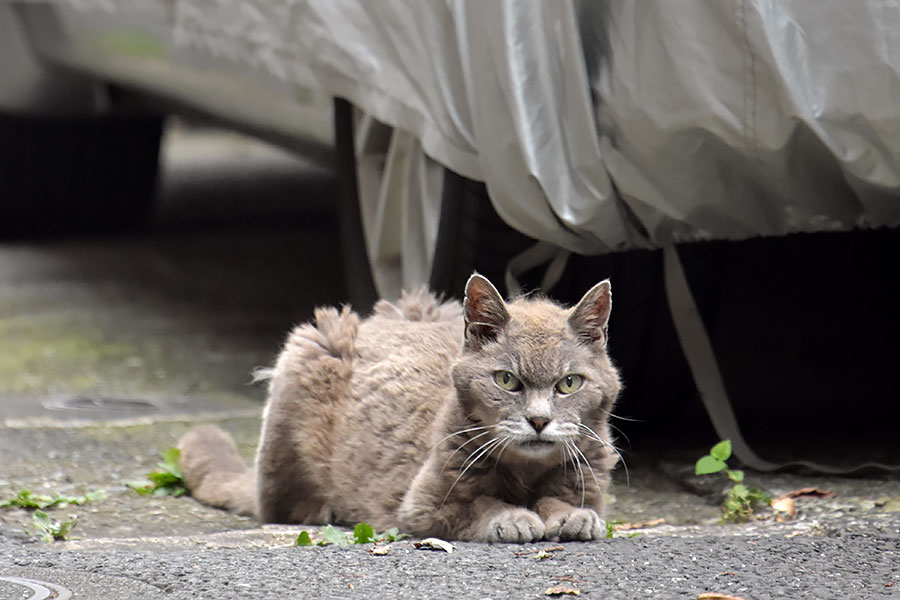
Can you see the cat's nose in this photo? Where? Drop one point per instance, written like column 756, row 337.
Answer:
column 538, row 423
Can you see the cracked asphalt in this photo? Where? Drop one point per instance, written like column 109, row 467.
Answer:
column 111, row 348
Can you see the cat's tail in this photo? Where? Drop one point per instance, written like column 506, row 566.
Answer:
column 215, row 473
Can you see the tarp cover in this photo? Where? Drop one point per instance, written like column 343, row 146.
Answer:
column 600, row 126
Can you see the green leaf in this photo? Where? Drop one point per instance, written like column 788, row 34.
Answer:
column 391, row 534
column 62, row 531
column 736, row 475
column 171, row 460
column 335, row 536
column 166, row 480
column 41, row 520
column 757, row 496
column 740, row 490
column 722, row 450
column 27, row 499
column 303, row 539
column 611, row 528
column 144, row 488
column 363, row 534
column 709, row 464
column 162, row 478
column 95, row 495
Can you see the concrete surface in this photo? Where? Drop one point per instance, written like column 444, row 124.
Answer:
column 111, row 348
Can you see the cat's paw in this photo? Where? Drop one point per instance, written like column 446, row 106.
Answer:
column 516, row 526
column 575, row 524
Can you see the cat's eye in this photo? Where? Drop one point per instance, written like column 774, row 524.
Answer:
column 570, row 383
column 507, row 381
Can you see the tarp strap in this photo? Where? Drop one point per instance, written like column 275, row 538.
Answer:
column 541, row 253
column 698, row 351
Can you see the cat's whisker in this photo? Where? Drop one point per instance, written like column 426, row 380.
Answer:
column 591, row 434
column 480, row 453
column 470, row 461
column 463, row 445
column 611, row 415
column 590, row 468
column 570, row 447
column 503, row 448
column 622, row 433
column 568, row 457
column 461, row 432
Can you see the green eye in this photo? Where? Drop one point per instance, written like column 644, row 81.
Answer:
column 507, row 381
column 570, row 383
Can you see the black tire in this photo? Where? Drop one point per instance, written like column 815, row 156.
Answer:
column 76, row 175
column 471, row 237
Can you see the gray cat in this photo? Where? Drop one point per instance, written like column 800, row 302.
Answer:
column 483, row 422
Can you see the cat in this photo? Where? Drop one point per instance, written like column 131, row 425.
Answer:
column 486, row 421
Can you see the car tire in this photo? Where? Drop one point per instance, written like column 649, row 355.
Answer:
column 471, row 237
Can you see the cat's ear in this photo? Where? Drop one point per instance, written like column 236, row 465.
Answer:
column 590, row 317
column 485, row 312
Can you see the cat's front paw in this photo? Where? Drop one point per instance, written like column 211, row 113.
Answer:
column 575, row 524
column 516, row 526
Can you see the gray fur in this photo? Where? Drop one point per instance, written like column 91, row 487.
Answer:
column 397, row 420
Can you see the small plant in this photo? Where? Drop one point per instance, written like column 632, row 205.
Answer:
column 740, row 501
column 362, row 533
column 51, row 530
column 29, row 500
column 165, row 480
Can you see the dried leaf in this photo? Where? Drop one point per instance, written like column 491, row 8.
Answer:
column 434, row 544
column 559, row 590
column 809, row 492
column 540, row 552
column 717, row 596
column 641, row 525
column 379, row 550
column 785, row 509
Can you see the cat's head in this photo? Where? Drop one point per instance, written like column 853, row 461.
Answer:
column 536, row 372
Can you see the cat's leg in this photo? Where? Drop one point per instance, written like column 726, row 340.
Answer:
column 563, row 522
column 496, row 521
column 436, row 505
column 482, row 519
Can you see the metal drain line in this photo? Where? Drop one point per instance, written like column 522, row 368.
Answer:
column 41, row 589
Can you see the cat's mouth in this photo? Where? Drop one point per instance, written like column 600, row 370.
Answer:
column 536, row 445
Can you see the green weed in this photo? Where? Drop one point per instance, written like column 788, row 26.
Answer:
column 50, row 530
column 165, row 480
column 740, row 501
column 29, row 500
column 362, row 533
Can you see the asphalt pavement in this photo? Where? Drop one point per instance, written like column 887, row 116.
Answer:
column 111, row 348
